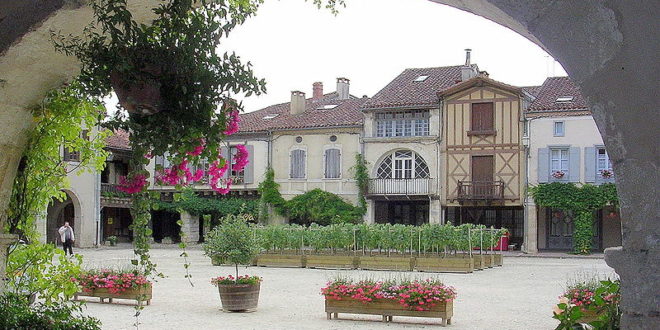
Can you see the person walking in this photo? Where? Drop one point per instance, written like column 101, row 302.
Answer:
column 67, row 237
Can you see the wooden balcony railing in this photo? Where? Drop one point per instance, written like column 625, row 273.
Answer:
column 480, row 190
column 112, row 190
column 420, row 186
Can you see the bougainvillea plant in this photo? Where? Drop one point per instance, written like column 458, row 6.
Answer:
column 420, row 295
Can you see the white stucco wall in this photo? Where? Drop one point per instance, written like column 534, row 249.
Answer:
column 579, row 131
column 315, row 142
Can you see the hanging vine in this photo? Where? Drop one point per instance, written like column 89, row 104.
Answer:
column 361, row 180
column 582, row 200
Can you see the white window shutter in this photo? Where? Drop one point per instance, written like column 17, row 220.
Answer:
column 590, row 164
column 574, row 164
column 543, row 171
column 248, row 173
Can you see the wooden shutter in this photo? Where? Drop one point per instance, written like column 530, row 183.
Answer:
column 248, row 173
column 590, row 164
column 332, row 163
column 297, row 164
column 224, row 152
column 574, row 164
column 482, row 168
column 543, row 169
column 482, row 116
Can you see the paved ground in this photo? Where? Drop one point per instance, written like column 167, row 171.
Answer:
column 519, row 295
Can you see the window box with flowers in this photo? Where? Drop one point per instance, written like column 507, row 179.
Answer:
column 558, row 175
column 114, row 284
column 417, row 298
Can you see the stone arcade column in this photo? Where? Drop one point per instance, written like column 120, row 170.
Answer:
column 530, row 242
column 190, row 227
column 5, row 241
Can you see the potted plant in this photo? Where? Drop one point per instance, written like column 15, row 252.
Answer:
column 592, row 302
column 112, row 240
column 558, row 174
column 234, row 242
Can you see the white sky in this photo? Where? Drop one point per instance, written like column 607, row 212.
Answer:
column 292, row 44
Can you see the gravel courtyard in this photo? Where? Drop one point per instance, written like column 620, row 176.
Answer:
column 519, row 295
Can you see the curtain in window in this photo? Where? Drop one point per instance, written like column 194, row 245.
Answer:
column 297, row 164
column 332, row 163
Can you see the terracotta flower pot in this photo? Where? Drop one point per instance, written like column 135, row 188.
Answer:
column 239, row 297
column 140, row 95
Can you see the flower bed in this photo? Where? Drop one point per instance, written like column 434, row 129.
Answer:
column 111, row 284
column 427, row 298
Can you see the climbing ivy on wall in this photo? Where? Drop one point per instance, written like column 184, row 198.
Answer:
column 314, row 206
column 196, row 205
column 582, row 200
column 362, row 180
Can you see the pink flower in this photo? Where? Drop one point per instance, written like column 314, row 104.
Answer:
column 199, row 149
column 241, row 158
column 232, row 122
column 133, row 184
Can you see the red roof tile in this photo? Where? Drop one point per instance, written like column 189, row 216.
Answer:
column 532, row 90
column 404, row 91
column 347, row 113
column 553, row 88
column 118, row 140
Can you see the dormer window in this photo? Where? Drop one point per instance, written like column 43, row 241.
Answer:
column 327, row 107
column 421, row 78
column 271, row 116
column 564, row 99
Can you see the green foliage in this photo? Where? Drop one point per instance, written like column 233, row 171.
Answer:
column 270, row 195
column 44, row 270
column 17, row 313
column 606, row 297
column 232, row 241
column 321, row 207
column 190, row 202
column 112, row 240
column 43, row 172
column 141, row 213
column 582, row 201
column 429, row 238
column 180, row 55
column 362, row 181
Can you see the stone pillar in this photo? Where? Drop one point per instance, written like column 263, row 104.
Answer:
column 530, row 241
column 435, row 211
column 190, row 227
column 5, row 241
column 369, row 216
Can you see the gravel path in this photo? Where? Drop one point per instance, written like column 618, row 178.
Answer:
column 519, row 295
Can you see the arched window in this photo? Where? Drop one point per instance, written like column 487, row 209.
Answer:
column 403, row 164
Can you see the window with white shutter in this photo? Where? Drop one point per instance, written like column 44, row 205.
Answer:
column 332, row 163
column 297, row 164
column 559, row 165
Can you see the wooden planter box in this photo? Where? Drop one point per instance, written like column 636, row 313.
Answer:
column 143, row 293
column 489, row 262
column 331, row 262
column 479, row 262
column 281, row 260
column 386, row 263
column 444, row 265
column 499, row 259
column 387, row 308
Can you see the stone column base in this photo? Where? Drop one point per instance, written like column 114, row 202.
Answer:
column 190, row 227
column 5, row 241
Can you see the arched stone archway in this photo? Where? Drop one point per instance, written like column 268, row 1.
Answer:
column 610, row 49
column 58, row 212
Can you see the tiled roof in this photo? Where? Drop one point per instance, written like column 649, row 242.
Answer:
column 346, row 113
column 532, row 90
column 118, row 140
column 404, row 91
column 480, row 80
column 551, row 90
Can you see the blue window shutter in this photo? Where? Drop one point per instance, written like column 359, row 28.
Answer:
column 574, row 164
column 249, row 169
column 225, row 155
column 590, row 164
column 543, row 173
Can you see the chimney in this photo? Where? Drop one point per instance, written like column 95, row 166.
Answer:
column 343, row 88
column 297, row 102
column 467, row 71
column 317, row 88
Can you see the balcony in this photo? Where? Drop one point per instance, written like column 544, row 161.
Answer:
column 111, row 196
column 480, row 190
column 404, row 187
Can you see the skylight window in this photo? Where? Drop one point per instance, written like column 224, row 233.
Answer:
column 271, row 116
column 421, row 78
column 564, row 99
column 327, row 107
